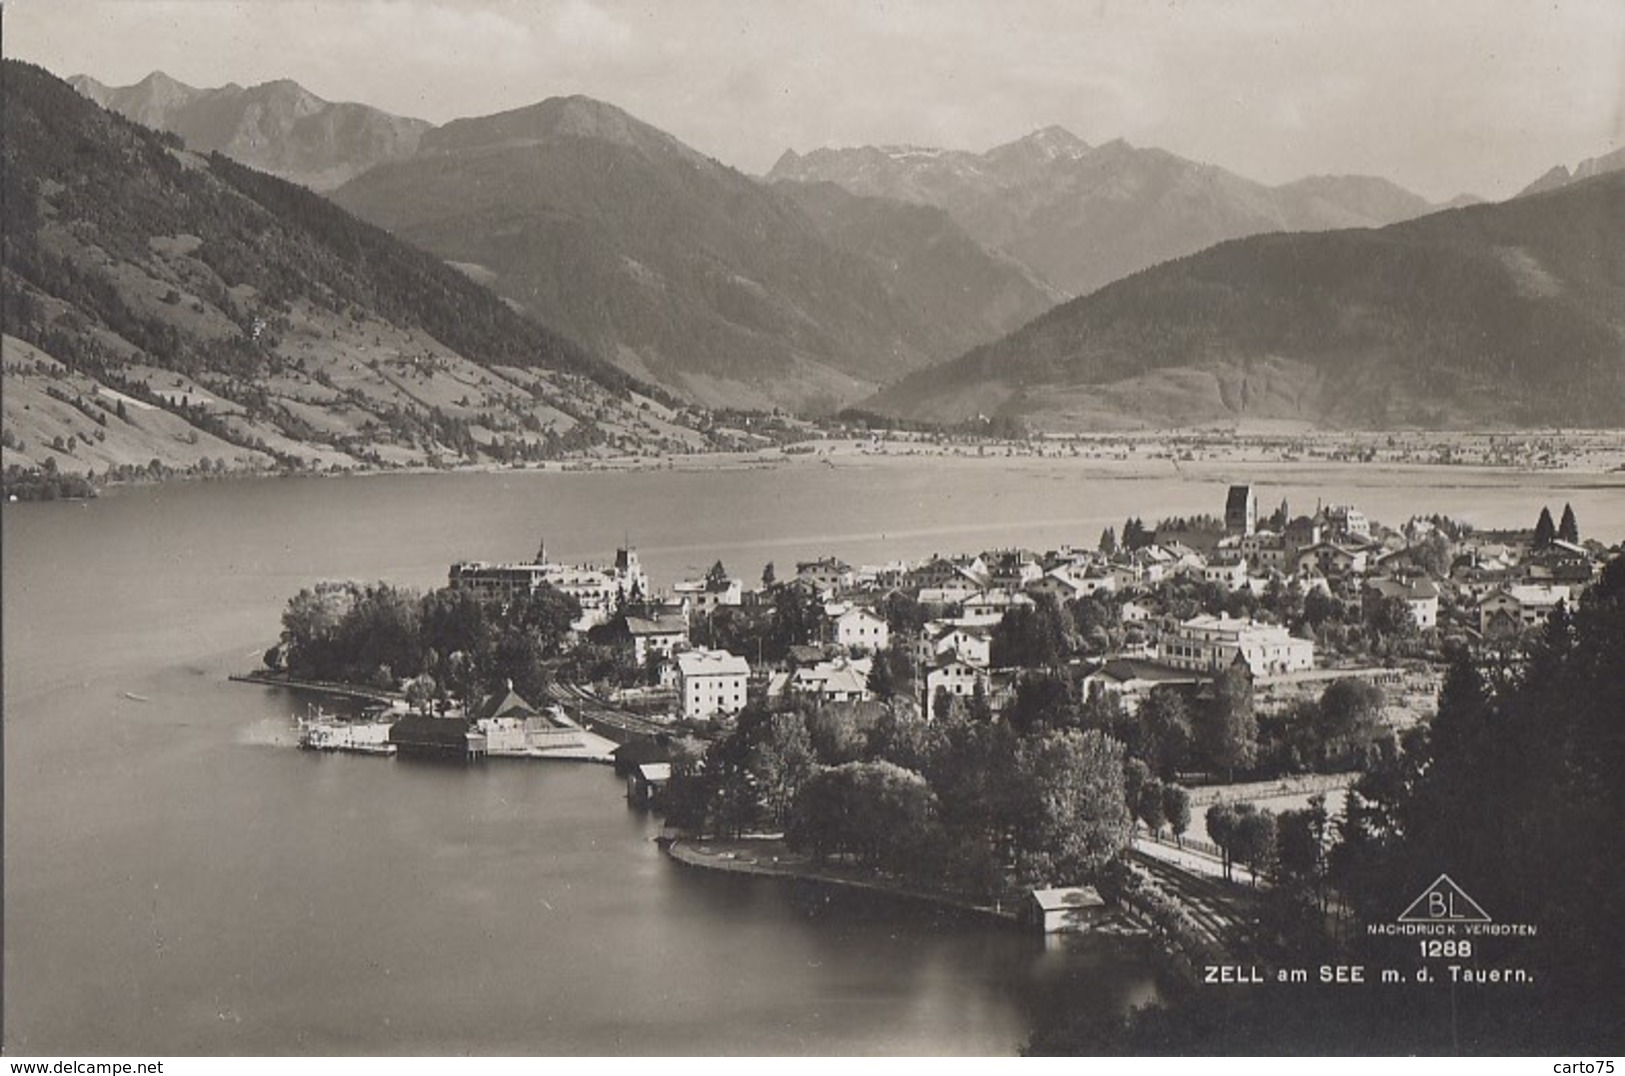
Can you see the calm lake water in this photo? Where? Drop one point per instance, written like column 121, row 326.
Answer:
column 179, row 880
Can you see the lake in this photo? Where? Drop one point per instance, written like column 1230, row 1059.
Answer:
column 180, row 881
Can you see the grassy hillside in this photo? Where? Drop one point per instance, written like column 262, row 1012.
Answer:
column 1506, row 314
column 247, row 323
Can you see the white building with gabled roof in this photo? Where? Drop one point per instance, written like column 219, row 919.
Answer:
column 1210, row 643
column 710, row 682
column 861, row 630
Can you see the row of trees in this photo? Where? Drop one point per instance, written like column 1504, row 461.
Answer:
column 1173, row 731
column 1545, row 530
column 381, row 634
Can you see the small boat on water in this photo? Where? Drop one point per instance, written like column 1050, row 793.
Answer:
column 133, row 697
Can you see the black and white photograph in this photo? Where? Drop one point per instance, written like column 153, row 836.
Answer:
column 803, row 528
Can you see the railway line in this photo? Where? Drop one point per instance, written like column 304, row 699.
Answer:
column 1219, row 909
column 592, row 711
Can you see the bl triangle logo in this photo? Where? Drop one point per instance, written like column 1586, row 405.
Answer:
column 1444, row 902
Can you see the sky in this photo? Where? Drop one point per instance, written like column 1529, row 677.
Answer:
column 1442, row 97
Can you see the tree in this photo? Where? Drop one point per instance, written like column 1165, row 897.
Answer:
column 1545, row 530
column 1432, row 554
column 1090, row 614
column 768, row 578
column 1032, row 637
column 1165, row 731
column 1136, row 775
column 453, row 621
column 902, row 737
column 1300, row 848
column 421, row 692
column 880, row 682
column 780, row 759
column 1349, row 717
column 1227, row 732
column 1255, row 839
column 1149, row 807
column 1569, row 529
column 690, row 788
column 979, row 709
column 1068, row 816
column 1176, row 807
column 716, row 577
column 1043, row 702
column 1390, row 618
column 1108, row 541
column 1320, row 607
column 881, row 814
column 518, row 660
column 836, row 735
column 547, row 613
column 797, row 616
column 309, row 625
column 1222, row 826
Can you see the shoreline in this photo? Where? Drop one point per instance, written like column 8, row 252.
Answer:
column 1118, row 923
column 726, row 859
column 318, row 687
column 1105, row 456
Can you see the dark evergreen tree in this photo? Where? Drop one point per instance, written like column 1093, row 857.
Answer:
column 1569, row 529
column 880, row 682
column 1545, row 530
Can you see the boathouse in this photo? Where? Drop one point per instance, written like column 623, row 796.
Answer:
column 646, row 784
column 634, row 753
column 1066, row 909
column 511, row 726
column 424, row 736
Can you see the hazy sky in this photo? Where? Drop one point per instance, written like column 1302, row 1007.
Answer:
column 1475, row 95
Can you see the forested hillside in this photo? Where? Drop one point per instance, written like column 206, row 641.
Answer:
column 1506, row 314
column 686, row 272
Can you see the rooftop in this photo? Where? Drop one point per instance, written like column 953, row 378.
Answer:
column 711, row 663
column 1081, row 896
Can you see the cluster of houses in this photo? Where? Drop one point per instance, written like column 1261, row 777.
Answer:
column 1503, row 587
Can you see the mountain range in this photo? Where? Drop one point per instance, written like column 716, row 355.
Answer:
column 1504, row 314
column 932, row 275
column 278, row 127
column 686, row 272
column 166, row 310
column 1560, row 176
column 1082, row 216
